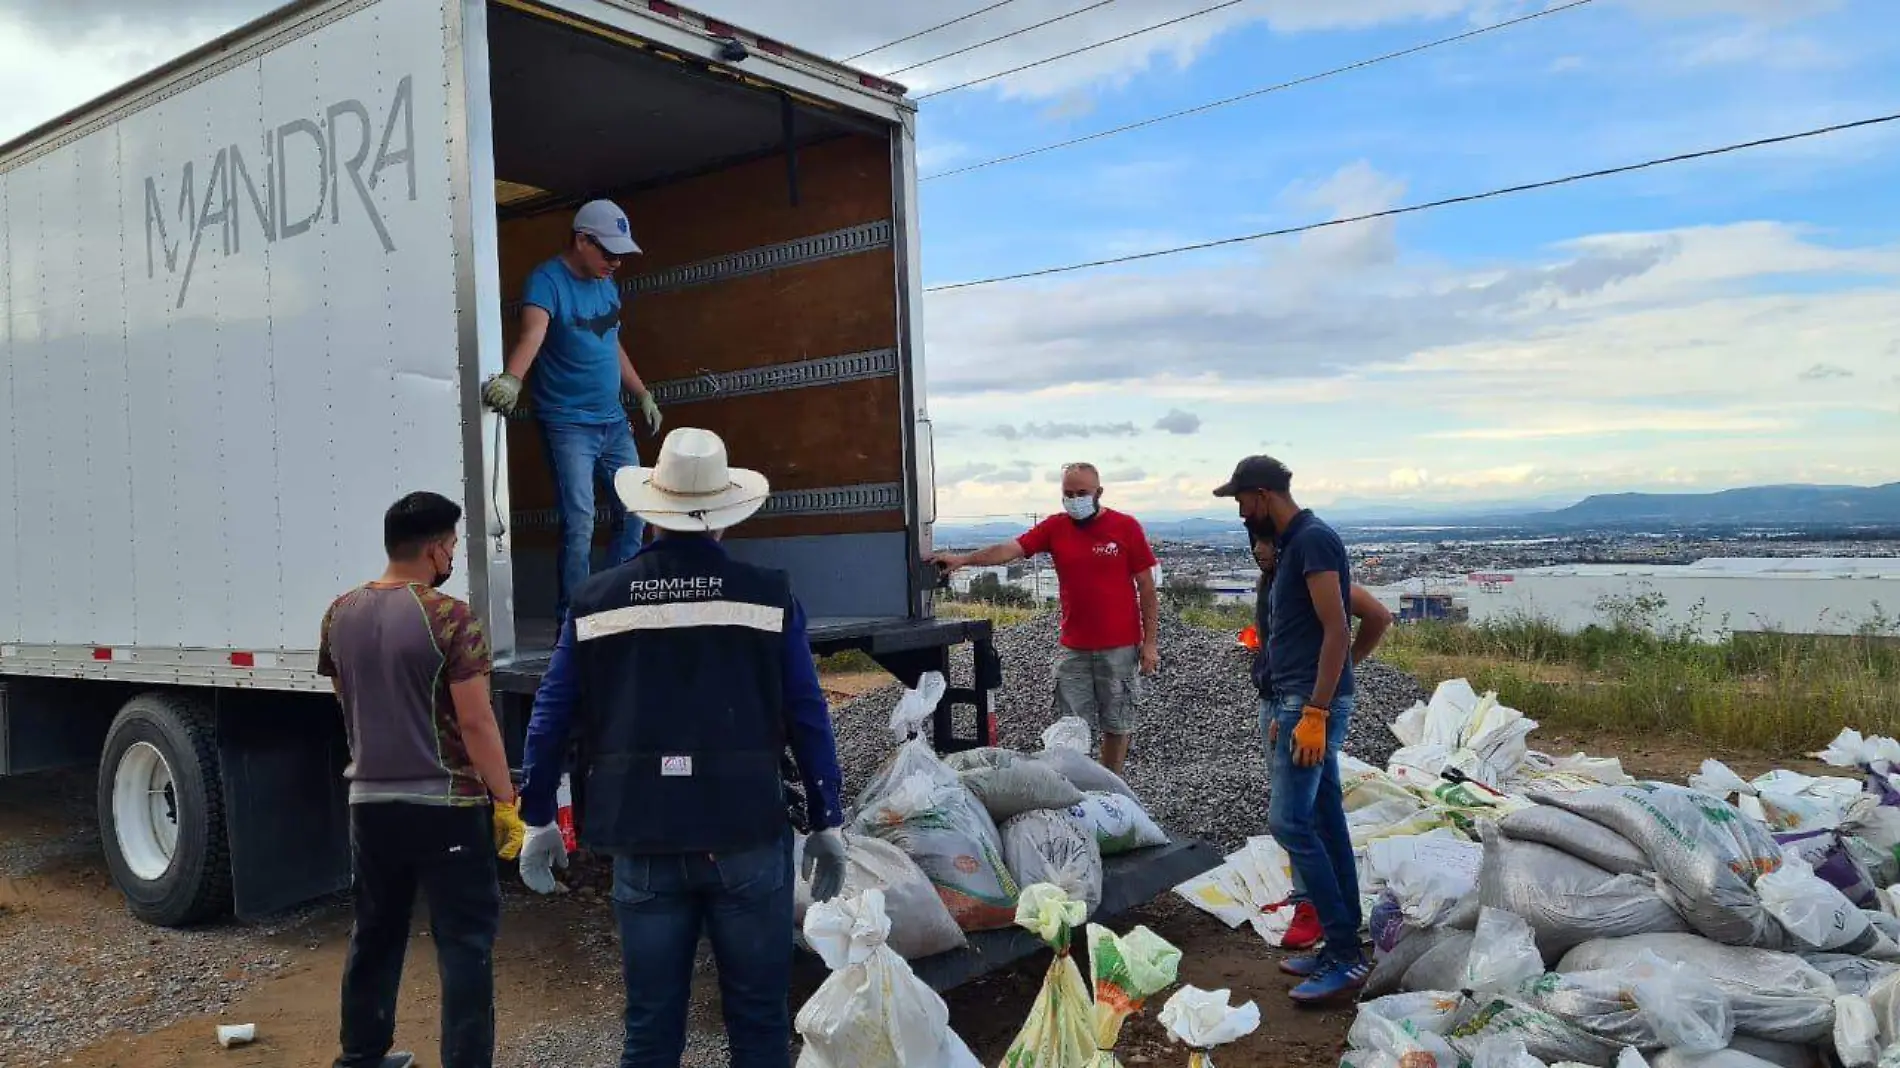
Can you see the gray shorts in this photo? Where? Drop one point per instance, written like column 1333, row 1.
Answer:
column 1101, row 686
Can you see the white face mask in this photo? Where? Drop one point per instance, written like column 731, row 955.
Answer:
column 1079, row 508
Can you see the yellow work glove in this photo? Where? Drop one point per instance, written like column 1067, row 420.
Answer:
column 510, row 832
column 1309, row 737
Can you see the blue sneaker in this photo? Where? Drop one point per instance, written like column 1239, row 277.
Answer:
column 1338, row 979
column 1303, row 967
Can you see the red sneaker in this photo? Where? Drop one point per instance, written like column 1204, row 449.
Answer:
column 1305, row 932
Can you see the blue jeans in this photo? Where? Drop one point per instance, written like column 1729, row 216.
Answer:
column 1308, row 818
column 581, row 456
column 744, row 902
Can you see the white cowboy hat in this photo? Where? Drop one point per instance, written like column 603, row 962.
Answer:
column 692, row 488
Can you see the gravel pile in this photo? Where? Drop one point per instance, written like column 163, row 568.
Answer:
column 1197, row 761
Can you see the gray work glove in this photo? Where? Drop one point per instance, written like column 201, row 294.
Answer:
column 824, row 864
column 542, row 852
column 650, row 411
column 502, row 393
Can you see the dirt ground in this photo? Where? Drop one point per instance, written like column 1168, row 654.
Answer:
column 556, row 963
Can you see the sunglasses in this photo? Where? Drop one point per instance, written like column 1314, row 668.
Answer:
column 610, row 257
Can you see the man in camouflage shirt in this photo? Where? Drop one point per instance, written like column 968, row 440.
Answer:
column 410, row 665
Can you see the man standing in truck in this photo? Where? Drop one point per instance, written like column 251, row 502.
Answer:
column 570, row 339
column 1308, row 647
column 1110, row 614
column 410, row 665
column 690, row 672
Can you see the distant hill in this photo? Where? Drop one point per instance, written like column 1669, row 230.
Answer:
column 1799, row 505
column 1795, row 507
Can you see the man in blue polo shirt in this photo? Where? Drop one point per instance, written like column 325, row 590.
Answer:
column 1308, row 647
column 570, row 338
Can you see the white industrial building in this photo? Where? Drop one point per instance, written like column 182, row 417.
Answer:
column 1710, row 598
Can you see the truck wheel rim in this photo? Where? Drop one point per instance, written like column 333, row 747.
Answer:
column 145, row 811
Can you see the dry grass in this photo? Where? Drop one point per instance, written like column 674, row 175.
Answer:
column 1001, row 615
column 1775, row 692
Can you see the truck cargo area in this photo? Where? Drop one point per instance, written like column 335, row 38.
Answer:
column 765, row 305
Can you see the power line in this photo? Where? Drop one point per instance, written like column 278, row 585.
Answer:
column 928, row 30
column 1410, row 209
column 1263, row 91
column 995, row 40
column 1084, row 48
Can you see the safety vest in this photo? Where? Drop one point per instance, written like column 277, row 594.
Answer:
column 681, row 668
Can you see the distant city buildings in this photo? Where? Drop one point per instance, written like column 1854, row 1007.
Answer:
column 1707, row 600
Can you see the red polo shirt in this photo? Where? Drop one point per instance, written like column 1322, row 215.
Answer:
column 1096, row 564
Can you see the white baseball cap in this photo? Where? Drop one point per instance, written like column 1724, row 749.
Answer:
column 603, row 221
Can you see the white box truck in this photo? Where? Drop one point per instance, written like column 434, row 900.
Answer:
column 248, row 300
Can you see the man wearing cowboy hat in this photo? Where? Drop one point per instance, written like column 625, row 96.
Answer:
column 690, row 672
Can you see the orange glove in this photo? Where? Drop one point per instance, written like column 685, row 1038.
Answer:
column 1309, row 738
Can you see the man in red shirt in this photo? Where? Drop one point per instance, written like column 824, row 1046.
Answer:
column 1105, row 571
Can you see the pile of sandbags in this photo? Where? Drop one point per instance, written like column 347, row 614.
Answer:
column 1729, row 923
column 978, row 825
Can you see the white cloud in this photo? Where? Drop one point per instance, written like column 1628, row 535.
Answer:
column 56, row 54
column 53, row 63
column 1615, row 424
column 1760, row 46
column 1612, row 361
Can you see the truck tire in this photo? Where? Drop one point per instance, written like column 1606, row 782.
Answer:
column 161, row 810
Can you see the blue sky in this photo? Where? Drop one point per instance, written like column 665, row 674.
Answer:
column 1719, row 323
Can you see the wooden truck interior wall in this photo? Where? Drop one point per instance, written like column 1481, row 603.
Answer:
column 829, row 434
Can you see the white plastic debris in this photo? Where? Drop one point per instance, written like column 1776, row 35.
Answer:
column 1850, row 750
column 1201, row 1019
column 1856, row 1034
column 1817, row 913
column 1254, row 886
column 236, row 1034
column 1457, row 729
column 1503, row 954
column 1069, row 732
column 917, row 705
column 1428, row 874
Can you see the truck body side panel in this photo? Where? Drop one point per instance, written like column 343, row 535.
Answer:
column 10, row 570
column 231, row 343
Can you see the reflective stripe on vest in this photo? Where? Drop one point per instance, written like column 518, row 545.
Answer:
column 678, row 616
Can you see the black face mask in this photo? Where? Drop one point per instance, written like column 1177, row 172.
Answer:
column 443, row 576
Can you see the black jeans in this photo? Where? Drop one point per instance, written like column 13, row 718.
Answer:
column 449, row 853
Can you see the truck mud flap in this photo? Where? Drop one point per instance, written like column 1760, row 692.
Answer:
column 1128, row 880
column 286, row 812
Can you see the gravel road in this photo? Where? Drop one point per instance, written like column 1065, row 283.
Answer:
column 1197, row 759
column 78, row 966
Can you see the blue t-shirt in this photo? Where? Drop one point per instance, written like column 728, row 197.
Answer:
column 576, row 378
column 1307, row 545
